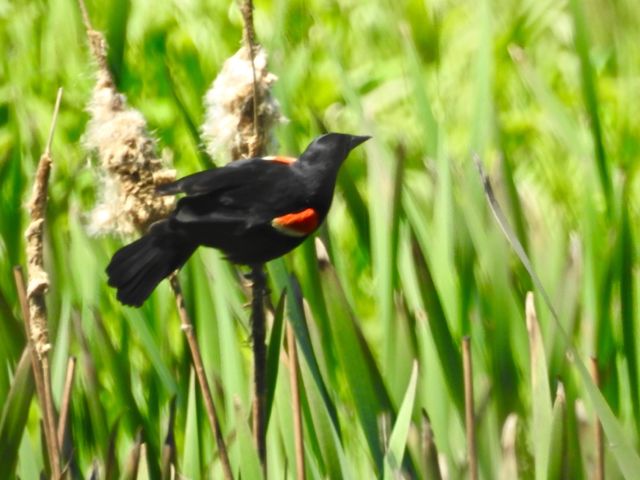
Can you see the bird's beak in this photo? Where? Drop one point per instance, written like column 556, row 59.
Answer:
column 355, row 141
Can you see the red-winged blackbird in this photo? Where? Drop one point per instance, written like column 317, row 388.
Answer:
column 253, row 210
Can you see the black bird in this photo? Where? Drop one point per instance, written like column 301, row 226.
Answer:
column 253, row 210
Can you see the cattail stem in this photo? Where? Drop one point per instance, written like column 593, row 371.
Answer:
column 187, row 328
column 18, row 277
column 428, row 449
column 66, row 399
column 250, row 40
column 132, row 464
column 97, row 45
column 140, row 206
column 469, row 410
column 64, row 432
column 258, row 327
column 258, row 335
column 37, row 286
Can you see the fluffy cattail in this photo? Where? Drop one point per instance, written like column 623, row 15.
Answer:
column 229, row 129
column 127, row 154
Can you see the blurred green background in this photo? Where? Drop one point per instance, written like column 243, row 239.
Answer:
column 546, row 92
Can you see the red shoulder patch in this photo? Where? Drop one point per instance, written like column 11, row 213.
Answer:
column 297, row 224
column 281, row 159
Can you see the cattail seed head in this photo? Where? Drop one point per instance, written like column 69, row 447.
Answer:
column 229, row 129
column 131, row 169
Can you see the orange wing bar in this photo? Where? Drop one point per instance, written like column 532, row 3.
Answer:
column 297, row 224
column 281, row 159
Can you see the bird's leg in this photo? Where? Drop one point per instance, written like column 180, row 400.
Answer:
column 258, row 335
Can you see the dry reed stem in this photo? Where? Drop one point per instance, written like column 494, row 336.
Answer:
column 508, row 442
column 258, row 337
column 257, row 142
column 66, row 399
column 535, row 340
column 428, row 449
column 132, row 464
column 127, row 153
column 468, row 408
column 256, row 146
column 35, row 363
column 187, row 328
column 560, row 405
column 69, row 466
column 168, row 463
column 295, row 403
column 240, row 111
column 250, row 40
column 18, row 277
column 599, row 434
column 37, row 286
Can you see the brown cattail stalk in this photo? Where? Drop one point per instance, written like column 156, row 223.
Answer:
column 256, row 145
column 18, row 277
column 37, row 286
column 187, row 328
column 64, row 433
column 132, row 464
column 469, row 411
column 240, row 115
column 35, row 363
column 258, row 337
column 66, row 399
column 132, row 173
column 428, row 449
column 295, row 403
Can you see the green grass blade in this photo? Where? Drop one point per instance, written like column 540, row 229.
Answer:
column 15, row 411
column 558, row 440
column 541, row 423
column 362, row 374
column 627, row 306
column 30, row 464
column 483, row 116
column 273, row 353
column 624, row 453
column 591, row 98
column 233, row 376
column 333, row 453
column 190, row 464
column 248, row 456
column 422, row 104
column 296, row 316
column 560, row 122
column 399, row 435
column 438, row 325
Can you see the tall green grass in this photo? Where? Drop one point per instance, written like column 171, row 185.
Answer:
column 544, row 92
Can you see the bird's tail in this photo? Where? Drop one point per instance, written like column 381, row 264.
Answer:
column 136, row 269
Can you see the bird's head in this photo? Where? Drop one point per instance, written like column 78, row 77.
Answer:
column 331, row 149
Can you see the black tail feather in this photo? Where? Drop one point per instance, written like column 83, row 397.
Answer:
column 136, row 269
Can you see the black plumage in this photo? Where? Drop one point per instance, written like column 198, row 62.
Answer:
column 253, row 210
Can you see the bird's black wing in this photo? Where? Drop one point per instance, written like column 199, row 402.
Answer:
column 216, row 179
column 251, row 194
